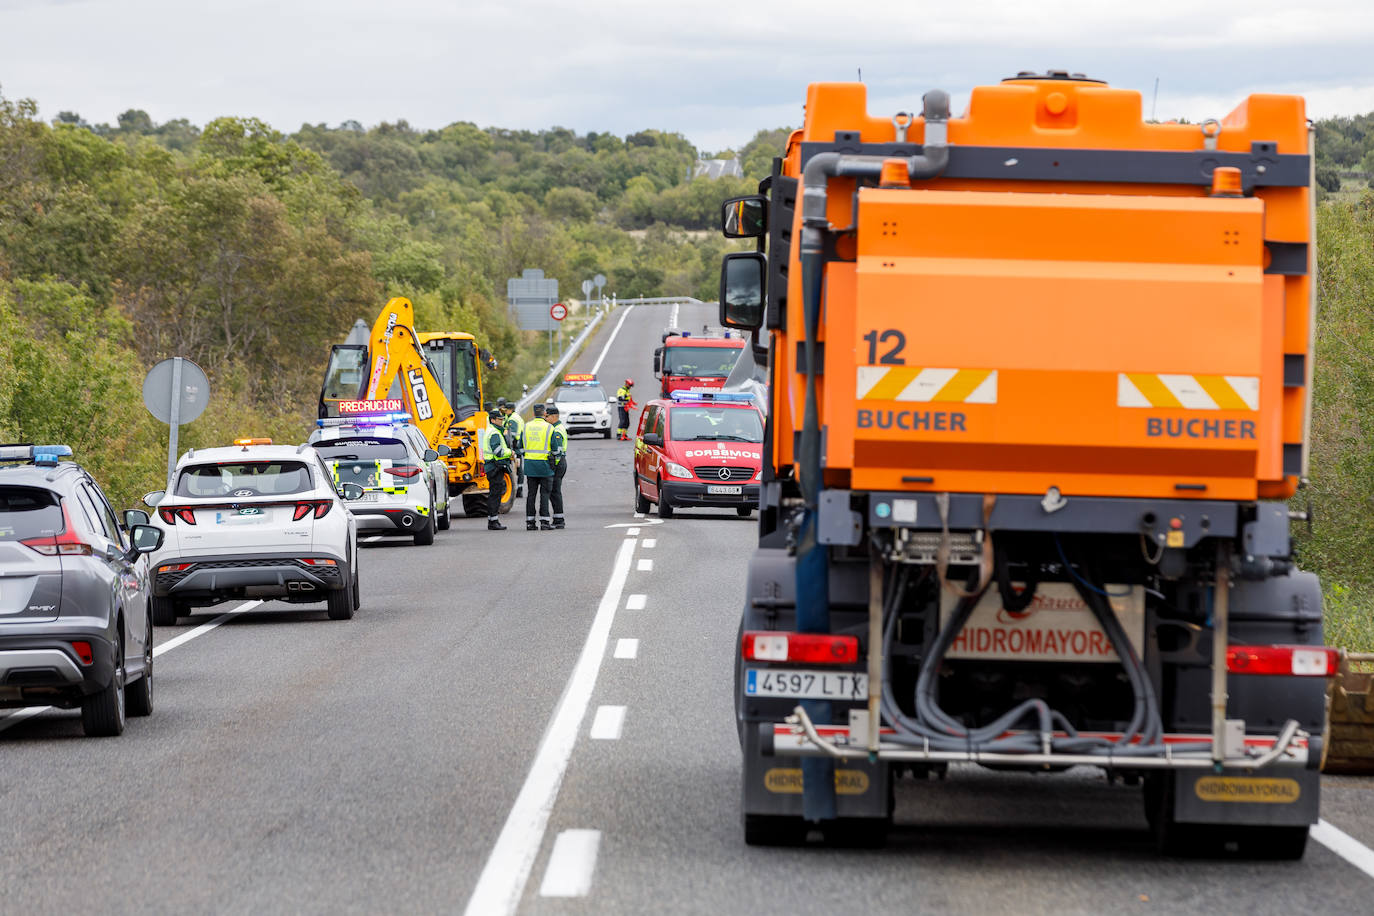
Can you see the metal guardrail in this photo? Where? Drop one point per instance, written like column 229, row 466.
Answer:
column 537, row 392
column 665, row 300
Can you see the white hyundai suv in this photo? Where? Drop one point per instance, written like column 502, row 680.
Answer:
column 255, row 520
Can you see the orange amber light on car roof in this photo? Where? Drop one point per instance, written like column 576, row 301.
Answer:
column 252, row 441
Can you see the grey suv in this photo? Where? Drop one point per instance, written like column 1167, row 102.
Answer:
column 74, row 619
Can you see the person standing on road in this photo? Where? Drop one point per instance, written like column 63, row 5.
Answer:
column 542, row 445
column 624, row 399
column 561, row 468
column 515, row 428
column 496, row 456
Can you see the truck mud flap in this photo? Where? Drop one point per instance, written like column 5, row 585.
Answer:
column 773, row 785
column 1285, row 797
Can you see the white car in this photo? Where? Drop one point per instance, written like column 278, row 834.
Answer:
column 405, row 484
column 254, row 520
column 583, row 406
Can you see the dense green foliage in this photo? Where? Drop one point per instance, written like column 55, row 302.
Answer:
column 1345, row 145
column 251, row 252
column 1342, row 449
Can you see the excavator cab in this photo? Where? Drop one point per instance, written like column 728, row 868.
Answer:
column 344, row 378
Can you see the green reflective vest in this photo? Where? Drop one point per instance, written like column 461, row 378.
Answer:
column 494, row 447
column 537, row 439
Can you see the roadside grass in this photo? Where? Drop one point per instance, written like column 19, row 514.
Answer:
column 1348, row 613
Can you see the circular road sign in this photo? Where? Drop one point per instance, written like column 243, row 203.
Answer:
column 158, row 394
column 599, row 280
column 558, row 311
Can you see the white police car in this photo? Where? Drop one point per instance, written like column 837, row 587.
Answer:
column 583, row 406
column 405, row 484
column 254, row 520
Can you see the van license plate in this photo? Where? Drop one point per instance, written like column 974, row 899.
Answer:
column 717, row 490
column 817, row 685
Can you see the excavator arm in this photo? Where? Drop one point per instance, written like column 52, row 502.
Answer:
column 393, row 355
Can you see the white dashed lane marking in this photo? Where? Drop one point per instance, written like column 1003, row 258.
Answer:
column 571, row 864
column 608, row 722
column 635, row 602
column 646, row 565
column 632, row 532
column 649, row 543
column 626, row 648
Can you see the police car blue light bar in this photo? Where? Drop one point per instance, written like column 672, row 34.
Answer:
column 712, row 394
column 386, row 419
column 38, row 454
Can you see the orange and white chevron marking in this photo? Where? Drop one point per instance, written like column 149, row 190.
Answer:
column 904, row 383
column 1189, row 392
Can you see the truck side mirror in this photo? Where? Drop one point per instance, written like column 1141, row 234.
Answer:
column 744, row 217
column 742, row 288
column 658, row 362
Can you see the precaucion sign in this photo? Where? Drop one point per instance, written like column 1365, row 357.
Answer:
column 387, row 405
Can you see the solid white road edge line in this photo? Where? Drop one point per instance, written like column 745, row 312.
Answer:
column 672, row 317
column 1345, row 846
column 19, row 715
column 502, row 882
column 610, row 340
column 608, row 722
column 627, row 648
column 571, row 864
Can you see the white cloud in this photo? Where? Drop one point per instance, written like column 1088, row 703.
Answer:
column 715, row 71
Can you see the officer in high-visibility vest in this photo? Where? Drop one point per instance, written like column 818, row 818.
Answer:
column 556, row 499
column 515, row 427
column 626, row 402
column 496, row 456
column 543, row 446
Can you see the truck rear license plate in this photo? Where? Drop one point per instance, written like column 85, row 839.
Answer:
column 811, row 685
column 717, row 490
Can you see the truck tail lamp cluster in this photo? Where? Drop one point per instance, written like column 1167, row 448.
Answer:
column 808, row 648
column 1295, row 661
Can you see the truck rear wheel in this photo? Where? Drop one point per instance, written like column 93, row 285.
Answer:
column 774, row 830
column 475, row 505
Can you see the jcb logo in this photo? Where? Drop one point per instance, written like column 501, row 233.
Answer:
column 421, row 396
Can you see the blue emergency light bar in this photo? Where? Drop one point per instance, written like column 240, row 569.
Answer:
column 38, row 454
column 384, row 419
column 713, row 394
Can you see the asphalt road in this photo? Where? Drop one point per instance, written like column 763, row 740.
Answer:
column 484, row 736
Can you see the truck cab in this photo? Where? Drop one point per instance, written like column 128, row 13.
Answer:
column 686, row 361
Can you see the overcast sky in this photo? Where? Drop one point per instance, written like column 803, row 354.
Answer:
column 713, row 71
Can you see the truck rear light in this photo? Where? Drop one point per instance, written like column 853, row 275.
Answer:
column 810, row 648
column 403, row 470
column 66, row 543
column 1297, row 661
column 83, row 651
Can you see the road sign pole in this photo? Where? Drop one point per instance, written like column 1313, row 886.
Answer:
column 175, row 421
